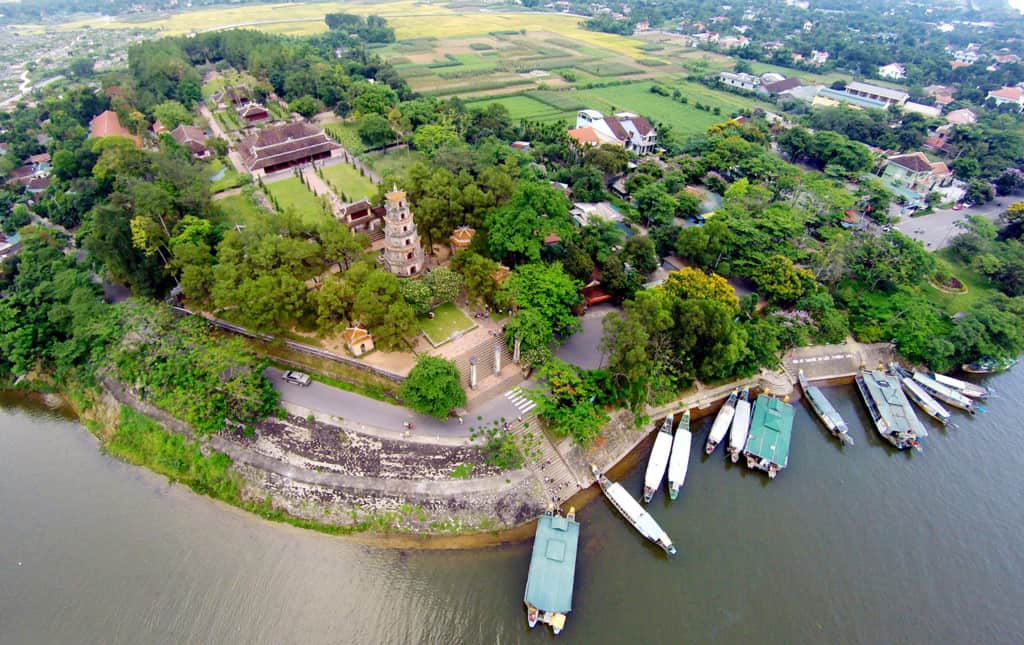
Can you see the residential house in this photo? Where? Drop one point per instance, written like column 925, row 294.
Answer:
column 1005, row 95
column 819, row 58
column 193, row 138
column 741, row 80
column 626, row 129
column 962, row 116
column 877, row 93
column 106, row 124
column 929, row 111
column 284, row 146
column 785, row 86
column 582, row 212
column 828, row 97
column 892, row 70
column 914, row 173
column 733, row 42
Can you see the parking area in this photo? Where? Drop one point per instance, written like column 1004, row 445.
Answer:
column 937, row 229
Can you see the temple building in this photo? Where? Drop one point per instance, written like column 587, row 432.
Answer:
column 284, row 146
column 402, row 254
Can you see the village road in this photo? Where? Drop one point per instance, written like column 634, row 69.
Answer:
column 369, row 412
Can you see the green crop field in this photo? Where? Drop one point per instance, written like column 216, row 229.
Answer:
column 521, row 106
column 347, row 135
column 347, row 183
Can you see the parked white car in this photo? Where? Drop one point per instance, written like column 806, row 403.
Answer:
column 297, row 378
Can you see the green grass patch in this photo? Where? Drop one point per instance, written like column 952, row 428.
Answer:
column 396, row 161
column 480, row 46
column 292, row 194
column 347, row 134
column 651, row 62
column 479, row 86
column 231, row 179
column 347, row 183
column 139, row 440
column 978, row 286
column 448, row 320
column 241, row 209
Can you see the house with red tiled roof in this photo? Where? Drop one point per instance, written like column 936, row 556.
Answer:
column 1006, row 95
column 625, row 129
column 106, row 124
column 193, row 138
column 915, row 173
column 585, row 137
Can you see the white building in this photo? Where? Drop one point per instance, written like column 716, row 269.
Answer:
column 892, row 70
column 626, row 129
column 741, row 80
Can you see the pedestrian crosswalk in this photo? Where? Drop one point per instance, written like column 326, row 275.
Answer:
column 519, row 400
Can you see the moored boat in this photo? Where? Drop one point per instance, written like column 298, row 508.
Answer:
column 740, row 426
column 972, row 390
column 679, row 462
column 989, row 365
column 825, row 411
column 771, row 429
column 918, row 395
column 633, row 512
column 658, row 462
column 548, row 595
column 946, row 394
column 890, row 410
column 722, row 422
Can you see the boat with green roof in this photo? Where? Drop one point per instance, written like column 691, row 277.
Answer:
column 549, row 584
column 890, row 410
column 771, row 430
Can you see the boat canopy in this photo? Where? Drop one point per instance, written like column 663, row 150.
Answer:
column 771, row 428
column 553, row 564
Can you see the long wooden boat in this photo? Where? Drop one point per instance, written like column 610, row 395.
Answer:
column 825, row 411
column 658, row 462
column 679, row 462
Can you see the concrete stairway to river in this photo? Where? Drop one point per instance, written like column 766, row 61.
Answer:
column 548, row 467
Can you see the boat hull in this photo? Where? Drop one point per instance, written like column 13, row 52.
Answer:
column 679, row 462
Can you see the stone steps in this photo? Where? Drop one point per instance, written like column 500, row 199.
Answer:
column 484, row 353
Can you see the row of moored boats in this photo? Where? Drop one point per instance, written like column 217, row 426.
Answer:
column 758, row 432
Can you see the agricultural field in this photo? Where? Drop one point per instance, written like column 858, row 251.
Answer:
column 524, row 106
column 346, row 134
column 347, row 183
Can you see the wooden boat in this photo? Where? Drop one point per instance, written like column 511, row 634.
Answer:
column 722, row 422
column 658, row 462
column 740, row 426
column 825, row 411
column 679, row 462
column 549, row 584
column 633, row 512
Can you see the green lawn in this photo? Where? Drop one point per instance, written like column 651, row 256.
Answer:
column 978, row 286
column 292, row 194
column 448, row 319
column 347, row 183
column 231, row 178
column 396, row 161
column 241, row 209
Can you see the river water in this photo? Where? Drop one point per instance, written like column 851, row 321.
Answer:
column 866, row 545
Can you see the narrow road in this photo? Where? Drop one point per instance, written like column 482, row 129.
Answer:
column 938, row 229
column 354, row 407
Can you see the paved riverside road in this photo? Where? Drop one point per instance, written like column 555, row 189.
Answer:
column 354, row 407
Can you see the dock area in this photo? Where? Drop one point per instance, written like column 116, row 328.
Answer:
column 833, row 362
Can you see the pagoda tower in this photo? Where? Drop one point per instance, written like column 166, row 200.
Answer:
column 402, row 254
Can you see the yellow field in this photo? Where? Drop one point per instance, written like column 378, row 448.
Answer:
column 407, row 17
